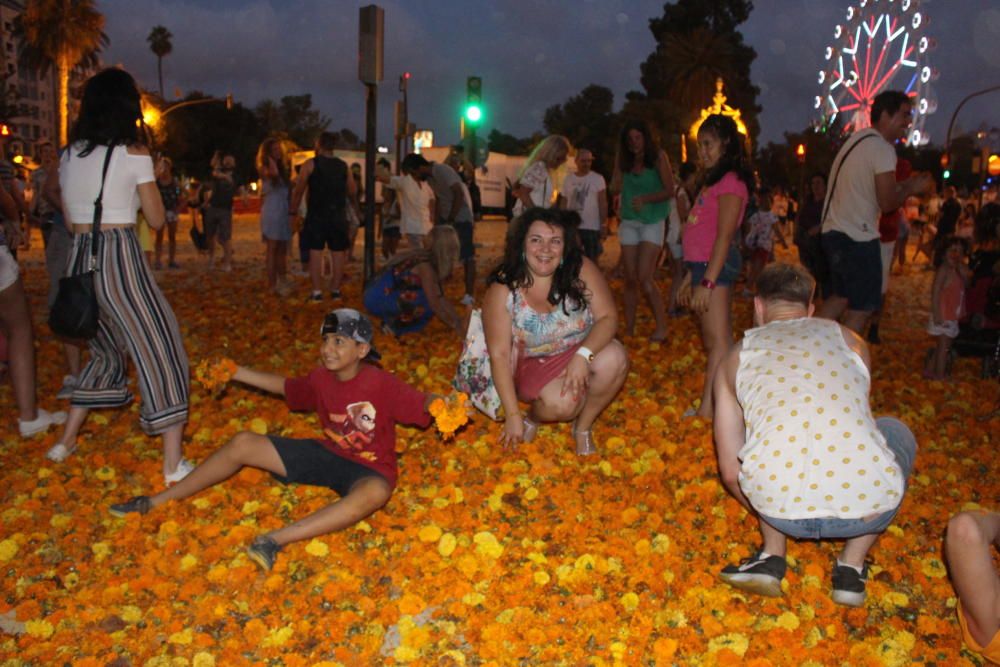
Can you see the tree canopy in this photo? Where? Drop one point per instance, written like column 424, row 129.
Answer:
column 293, row 117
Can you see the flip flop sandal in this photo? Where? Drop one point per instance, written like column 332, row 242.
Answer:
column 59, row 452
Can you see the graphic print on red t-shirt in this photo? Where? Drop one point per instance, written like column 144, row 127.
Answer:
column 355, row 430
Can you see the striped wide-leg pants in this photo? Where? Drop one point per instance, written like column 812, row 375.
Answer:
column 135, row 320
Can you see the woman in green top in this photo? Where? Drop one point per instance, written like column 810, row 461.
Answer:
column 645, row 180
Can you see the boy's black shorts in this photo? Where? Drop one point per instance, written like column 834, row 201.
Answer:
column 309, row 462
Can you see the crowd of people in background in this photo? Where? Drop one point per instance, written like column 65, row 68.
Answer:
column 549, row 314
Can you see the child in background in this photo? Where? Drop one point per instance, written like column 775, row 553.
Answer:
column 947, row 304
column 358, row 406
column 762, row 227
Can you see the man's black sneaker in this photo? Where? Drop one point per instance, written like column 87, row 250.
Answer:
column 263, row 551
column 757, row 575
column 137, row 505
column 848, row 585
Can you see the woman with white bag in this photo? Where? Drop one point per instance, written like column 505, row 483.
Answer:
column 555, row 307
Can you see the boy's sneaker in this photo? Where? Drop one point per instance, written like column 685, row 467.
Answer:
column 137, row 505
column 42, row 422
column 316, row 297
column 756, row 574
column 264, row 551
column 849, row 585
column 68, row 387
column 182, row 470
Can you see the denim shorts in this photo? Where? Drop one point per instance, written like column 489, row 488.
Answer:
column 634, row 232
column 903, row 445
column 730, row 270
column 855, row 270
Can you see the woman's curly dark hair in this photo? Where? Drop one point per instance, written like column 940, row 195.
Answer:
column 110, row 112
column 567, row 288
column 734, row 157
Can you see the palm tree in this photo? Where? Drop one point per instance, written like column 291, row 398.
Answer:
column 159, row 43
column 64, row 34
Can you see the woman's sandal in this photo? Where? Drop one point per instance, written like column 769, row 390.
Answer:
column 59, row 452
column 584, row 443
column 530, row 430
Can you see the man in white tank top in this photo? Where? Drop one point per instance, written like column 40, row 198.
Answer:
column 796, row 440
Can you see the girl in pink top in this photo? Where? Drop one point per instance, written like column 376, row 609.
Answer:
column 947, row 305
column 710, row 254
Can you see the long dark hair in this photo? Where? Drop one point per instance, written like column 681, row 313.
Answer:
column 734, row 157
column 567, row 288
column 650, row 147
column 110, row 112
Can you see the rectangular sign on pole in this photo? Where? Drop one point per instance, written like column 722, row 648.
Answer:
column 370, row 44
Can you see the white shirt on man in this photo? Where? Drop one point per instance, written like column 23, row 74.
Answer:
column 581, row 193
column 852, row 205
column 414, row 204
column 812, row 448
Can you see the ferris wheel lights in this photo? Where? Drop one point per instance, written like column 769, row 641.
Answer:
column 837, row 31
column 917, row 20
column 905, row 5
column 915, row 138
column 828, row 53
column 925, row 74
column 817, row 102
column 862, row 3
column 822, row 76
column 923, row 106
column 923, row 44
column 850, row 13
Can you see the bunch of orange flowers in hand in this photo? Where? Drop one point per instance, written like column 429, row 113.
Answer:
column 450, row 413
column 214, row 374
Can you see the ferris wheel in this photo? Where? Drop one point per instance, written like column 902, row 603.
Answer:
column 881, row 45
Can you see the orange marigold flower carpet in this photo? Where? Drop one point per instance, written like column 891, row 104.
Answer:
column 482, row 556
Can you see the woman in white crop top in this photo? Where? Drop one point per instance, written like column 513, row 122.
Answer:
column 136, row 322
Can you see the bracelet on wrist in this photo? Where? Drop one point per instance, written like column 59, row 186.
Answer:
column 708, row 284
column 586, row 353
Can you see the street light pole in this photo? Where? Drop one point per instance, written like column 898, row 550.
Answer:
column 951, row 123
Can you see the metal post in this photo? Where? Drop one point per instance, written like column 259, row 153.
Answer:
column 951, row 123
column 370, row 108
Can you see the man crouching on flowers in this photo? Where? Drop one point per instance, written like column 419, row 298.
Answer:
column 796, row 440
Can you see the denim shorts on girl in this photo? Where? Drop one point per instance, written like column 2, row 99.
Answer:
column 634, row 232
column 730, row 270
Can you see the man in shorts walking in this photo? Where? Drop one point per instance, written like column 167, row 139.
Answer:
column 862, row 187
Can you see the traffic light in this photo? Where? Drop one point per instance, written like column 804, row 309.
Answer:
column 473, row 101
column 947, row 174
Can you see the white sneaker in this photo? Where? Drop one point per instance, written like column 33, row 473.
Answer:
column 68, row 386
column 183, row 469
column 468, row 300
column 42, row 422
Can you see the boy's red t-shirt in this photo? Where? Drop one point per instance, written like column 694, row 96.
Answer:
column 359, row 416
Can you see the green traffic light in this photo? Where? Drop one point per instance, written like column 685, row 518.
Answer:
column 473, row 113
column 947, row 174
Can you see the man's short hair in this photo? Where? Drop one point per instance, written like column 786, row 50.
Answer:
column 786, row 282
column 889, row 102
column 327, row 141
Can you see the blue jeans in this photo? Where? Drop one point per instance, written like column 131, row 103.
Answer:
column 730, row 270
column 903, row 445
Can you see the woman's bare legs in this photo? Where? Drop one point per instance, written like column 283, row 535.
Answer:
column 16, row 321
column 717, row 338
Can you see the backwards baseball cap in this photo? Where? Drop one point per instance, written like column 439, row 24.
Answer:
column 349, row 323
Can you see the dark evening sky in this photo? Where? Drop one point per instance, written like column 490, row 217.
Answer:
column 531, row 55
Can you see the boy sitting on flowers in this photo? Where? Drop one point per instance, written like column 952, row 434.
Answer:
column 358, row 406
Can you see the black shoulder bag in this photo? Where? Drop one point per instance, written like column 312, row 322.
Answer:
column 74, row 313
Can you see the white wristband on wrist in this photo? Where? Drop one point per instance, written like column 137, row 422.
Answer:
column 585, row 353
